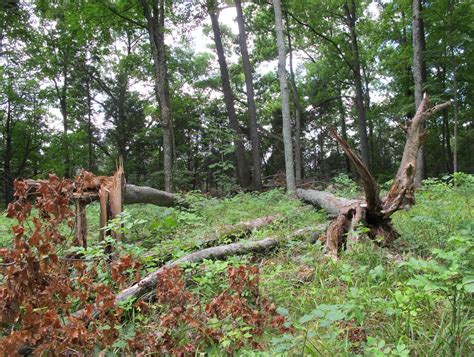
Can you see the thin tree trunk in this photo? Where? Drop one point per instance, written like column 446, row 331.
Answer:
column 243, row 169
column 359, row 98
column 296, row 103
column 7, row 157
column 418, row 75
column 447, row 142
column 254, row 136
column 64, row 114
column 370, row 122
column 90, row 129
column 342, row 113
column 285, row 100
column 155, row 26
column 456, row 108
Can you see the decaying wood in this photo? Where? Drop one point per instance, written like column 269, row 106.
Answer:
column 373, row 212
column 111, row 202
column 239, row 230
column 112, row 193
column 131, row 193
column 149, row 282
column 80, row 226
column 401, row 193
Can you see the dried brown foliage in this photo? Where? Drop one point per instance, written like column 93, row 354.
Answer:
column 40, row 290
column 186, row 325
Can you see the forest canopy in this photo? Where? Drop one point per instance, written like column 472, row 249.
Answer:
column 188, row 94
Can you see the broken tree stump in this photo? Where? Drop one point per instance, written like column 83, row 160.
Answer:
column 112, row 193
column 373, row 212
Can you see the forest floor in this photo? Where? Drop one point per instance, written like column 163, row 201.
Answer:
column 414, row 298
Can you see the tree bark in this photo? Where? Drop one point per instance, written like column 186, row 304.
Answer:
column 155, row 18
column 418, row 76
column 342, row 113
column 90, row 129
column 243, row 168
column 285, row 101
column 456, row 109
column 149, row 282
column 351, row 18
column 7, row 156
column 373, row 212
column 142, row 194
column 296, row 103
column 325, row 200
column 254, row 136
column 447, row 143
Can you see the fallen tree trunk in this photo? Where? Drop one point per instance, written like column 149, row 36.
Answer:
column 149, row 282
column 325, row 200
column 239, row 230
column 373, row 212
column 131, row 193
column 142, row 194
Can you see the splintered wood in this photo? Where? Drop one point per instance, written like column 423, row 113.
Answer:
column 88, row 188
column 373, row 212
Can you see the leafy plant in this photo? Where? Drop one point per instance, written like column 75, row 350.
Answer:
column 451, row 275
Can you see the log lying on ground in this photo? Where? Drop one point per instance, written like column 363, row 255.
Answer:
column 325, row 200
column 149, row 282
column 142, row 194
column 131, row 193
column 239, row 230
column 373, row 212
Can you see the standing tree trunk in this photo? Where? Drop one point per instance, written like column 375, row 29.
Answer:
column 62, row 98
column 256, row 155
column 342, row 112
column 155, row 18
column 7, row 156
column 447, row 142
column 455, row 104
column 370, row 121
column 418, row 76
column 359, row 95
column 285, row 100
column 90, row 129
column 242, row 162
column 296, row 103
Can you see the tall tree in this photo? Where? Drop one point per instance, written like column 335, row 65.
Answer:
column 285, row 100
column 243, row 168
column 351, row 19
column 252, row 109
column 418, row 76
column 296, row 103
column 155, row 25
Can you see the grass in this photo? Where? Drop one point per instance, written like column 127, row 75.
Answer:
column 371, row 301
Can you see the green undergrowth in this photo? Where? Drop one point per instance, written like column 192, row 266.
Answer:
column 414, row 298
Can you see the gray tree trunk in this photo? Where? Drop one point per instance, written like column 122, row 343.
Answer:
column 359, row 95
column 285, row 100
column 7, row 156
column 254, row 136
column 298, row 112
column 455, row 104
column 342, row 113
column 142, row 194
column 155, row 25
column 418, row 69
column 243, row 168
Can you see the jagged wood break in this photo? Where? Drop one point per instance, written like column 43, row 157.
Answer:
column 112, row 193
column 374, row 212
